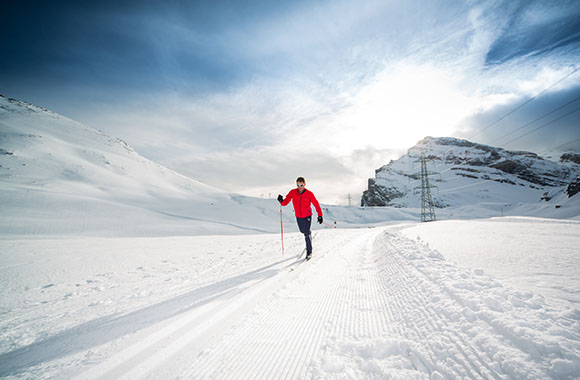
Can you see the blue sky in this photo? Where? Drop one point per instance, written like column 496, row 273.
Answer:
column 248, row 95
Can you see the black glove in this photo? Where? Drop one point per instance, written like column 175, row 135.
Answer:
column 280, row 198
column 320, row 220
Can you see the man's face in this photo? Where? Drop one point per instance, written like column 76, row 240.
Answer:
column 300, row 186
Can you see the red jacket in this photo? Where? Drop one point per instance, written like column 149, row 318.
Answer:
column 302, row 203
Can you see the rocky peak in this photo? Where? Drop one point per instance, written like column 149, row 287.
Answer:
column 458, row 164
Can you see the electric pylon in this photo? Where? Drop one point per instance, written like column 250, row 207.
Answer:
column 427, row 212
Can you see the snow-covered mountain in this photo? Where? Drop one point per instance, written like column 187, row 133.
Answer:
column 468, row 177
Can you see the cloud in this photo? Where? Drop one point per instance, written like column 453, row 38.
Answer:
column 516, row 126
column 268, row 170
column 537, row 28
column 401, row 106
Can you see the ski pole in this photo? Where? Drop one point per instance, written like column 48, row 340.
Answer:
column 282, row 230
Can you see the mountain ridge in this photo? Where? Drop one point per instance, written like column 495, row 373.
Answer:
column 457, row 164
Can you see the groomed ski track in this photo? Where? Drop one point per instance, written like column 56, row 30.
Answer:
column 370, row 304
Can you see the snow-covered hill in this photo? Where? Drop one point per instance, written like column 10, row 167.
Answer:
column 472, row 179
column 59, row 177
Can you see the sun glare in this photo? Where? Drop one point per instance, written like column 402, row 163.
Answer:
column 402, row 106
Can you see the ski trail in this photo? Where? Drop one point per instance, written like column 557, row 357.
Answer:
column 284, row 333
column 163, row 340
column 370, row 304
column 403, row 318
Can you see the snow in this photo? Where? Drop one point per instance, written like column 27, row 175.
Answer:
column 113, row 267
column 372, row 303
column 535, row 254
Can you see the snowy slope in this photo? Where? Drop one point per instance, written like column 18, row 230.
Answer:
column 60, row 177
column 371, row 304
column 475, row 180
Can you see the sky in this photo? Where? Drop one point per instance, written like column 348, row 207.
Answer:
column 248, row 95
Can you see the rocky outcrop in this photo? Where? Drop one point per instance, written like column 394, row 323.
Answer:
column 380, row 195
column 573, row 188
column 523, row 172
column 570, row 157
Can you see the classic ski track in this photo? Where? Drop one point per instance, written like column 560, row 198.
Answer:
column 52, row 313
column 130, row 365
column 243, row 335
column 284, row 344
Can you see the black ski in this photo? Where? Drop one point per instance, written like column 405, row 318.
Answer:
column 308, row 256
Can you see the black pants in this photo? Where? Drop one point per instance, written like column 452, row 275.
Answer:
column 304, row 226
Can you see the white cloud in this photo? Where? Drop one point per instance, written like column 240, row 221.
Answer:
column 333, row 99
column 270, row 170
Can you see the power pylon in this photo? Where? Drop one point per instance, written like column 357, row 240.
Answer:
column 427, row 211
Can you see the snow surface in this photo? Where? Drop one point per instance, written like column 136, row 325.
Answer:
column 371, row 303
column 540, row 255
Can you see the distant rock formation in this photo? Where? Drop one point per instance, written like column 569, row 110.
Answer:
column 570, row 157
column 573, row 188
column 464, row 172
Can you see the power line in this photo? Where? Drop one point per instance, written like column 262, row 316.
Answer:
column 526, row 102
column 543, row 125
column 464, row 186
column 527, row 124
column 561, row 145
column 520, row 106
column 533, row 121
column 534, row 130
column 487, row 180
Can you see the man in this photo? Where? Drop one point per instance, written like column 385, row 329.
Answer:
column 302, row 199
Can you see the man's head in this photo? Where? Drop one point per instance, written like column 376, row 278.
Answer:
column 300, row 183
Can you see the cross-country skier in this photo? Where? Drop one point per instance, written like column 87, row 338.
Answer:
column 302, row 199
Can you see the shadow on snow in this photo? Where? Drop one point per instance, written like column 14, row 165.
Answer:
column 109, row 328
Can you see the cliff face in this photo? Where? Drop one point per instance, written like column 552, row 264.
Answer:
column 570, row 157
column 463, row 173
column 380, row 195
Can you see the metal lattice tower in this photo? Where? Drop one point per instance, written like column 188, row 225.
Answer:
column 427, row 212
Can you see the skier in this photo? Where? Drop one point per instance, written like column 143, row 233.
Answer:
column 302, row 199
